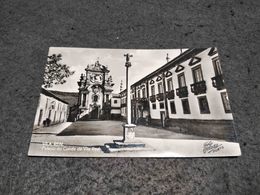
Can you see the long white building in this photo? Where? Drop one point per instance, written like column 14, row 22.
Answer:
column 52, row 108
column 187, row 92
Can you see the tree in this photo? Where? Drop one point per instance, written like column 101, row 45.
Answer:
column 55, row 73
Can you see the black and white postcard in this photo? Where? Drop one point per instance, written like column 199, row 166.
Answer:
column 133, row 103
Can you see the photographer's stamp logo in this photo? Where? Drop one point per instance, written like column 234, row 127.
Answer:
column 211, row 147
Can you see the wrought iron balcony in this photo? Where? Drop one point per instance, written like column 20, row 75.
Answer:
column 198, row 88
column 144, row 102
column 218, row 82
column 170, row 94
column 153, row 98
column 182, row 92
column 160, row 96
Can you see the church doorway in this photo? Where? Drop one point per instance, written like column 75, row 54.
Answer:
column 94, row 113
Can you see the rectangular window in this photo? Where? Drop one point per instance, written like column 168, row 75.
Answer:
column 95, row 99
column 197, row 74
column 84, row 100
column 203, row 104
column 161, row 105
column 115, row 101
column 154, row 106
column 138, row 94
column 181, row 80
column 217, row 67
column 152, row 90
column 185, row 106
column 169, row 84
column 173, row 108
column 160, row 88
column 143, row 93
column 225, row 101
column 53, row 103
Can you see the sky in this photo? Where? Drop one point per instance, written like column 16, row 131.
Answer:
column 143, row 63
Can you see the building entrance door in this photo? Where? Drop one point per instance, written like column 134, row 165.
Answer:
column 162, row 119
column 94, row 113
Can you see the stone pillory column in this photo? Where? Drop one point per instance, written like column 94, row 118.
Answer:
column 129, row 143
column 129, row 132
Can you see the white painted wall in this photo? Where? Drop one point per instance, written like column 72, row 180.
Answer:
column 115, row 106
column 59, row 107
column 115, row 111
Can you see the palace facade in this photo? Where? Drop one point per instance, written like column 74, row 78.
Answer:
column 95, row 92
column 187, row 93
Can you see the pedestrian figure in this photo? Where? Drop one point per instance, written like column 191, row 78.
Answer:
column 149, row 119
column 48, row 121
column 44, row 123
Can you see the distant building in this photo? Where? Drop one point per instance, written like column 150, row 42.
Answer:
column 115, row 103
column 123, row 103
column 51, row 110
column 95, row 90
column 188, row 92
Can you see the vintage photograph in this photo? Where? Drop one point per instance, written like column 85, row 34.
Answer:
column 133, row 103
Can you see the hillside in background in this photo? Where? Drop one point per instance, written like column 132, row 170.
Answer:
column 70, row 97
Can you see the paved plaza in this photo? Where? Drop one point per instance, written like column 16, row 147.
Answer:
column 88, row 139
column 114, row 128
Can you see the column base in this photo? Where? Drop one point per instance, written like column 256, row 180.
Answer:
column 129, row 132
column 128, row 143
column 133, row 144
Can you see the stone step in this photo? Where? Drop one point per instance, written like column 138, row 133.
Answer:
column 110, row 149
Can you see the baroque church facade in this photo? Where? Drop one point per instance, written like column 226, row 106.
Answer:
column 95, row 92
